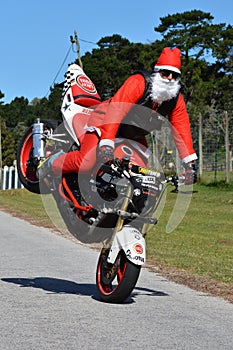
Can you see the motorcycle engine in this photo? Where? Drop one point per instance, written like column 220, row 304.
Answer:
column 106, row 183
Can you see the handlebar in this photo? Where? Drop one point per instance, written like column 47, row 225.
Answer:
column 124, row 167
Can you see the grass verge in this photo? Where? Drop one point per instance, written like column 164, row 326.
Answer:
column 199, row 251
column 24, row 204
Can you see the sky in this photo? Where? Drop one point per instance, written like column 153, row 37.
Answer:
column 35, row 35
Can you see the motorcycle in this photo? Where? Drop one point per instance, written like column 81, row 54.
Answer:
column 114, row 204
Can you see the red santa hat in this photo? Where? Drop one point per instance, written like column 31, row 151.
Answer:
column 169, row 59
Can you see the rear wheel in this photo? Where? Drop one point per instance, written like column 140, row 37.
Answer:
column 115, row 282
column 26, row 165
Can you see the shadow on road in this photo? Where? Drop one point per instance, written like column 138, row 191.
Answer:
column 60, row 286
column 149, row 292
column 54, row 285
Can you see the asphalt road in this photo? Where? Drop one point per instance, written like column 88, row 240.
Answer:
column 48, row 300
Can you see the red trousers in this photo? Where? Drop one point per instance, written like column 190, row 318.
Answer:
column 78, row 161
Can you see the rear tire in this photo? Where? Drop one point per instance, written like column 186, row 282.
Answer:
column 115, row 282
column 26, row 167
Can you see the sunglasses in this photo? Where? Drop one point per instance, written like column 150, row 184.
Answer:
column 166, row 73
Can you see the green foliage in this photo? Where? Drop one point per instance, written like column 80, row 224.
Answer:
column 7, row 143
column 19, row 114
column 1, row 96
column 191, row 31
column 111, row 64
column 15, row 112
column 17, row 133
column 196, row 36
column 54, row 103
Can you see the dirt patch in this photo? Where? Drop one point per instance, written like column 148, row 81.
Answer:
column 226, row 242
column 198, row 283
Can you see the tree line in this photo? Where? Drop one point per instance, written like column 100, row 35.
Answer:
column 207, row 62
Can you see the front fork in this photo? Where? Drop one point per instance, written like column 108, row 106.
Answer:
column 127, row 238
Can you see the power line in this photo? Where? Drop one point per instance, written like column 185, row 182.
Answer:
column 89, row 42
column 62, row 64
column 67, row 54
column 74, row 40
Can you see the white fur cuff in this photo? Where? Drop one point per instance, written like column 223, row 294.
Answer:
column 189, row 158
column 107, row 142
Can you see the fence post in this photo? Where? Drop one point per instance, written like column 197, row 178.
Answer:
column 11, row 169
column 4, row 181
column 15, row 179
column 10, row 178
column 231, row 160
column 227, row 146
column 216, row 147
column 200, row 146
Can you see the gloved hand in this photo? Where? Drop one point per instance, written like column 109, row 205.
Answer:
column 190, row 174
column 105, row 154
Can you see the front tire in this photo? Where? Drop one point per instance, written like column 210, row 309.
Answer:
column 115, row 282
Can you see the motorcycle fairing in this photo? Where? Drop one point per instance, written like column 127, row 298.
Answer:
column 132, row 242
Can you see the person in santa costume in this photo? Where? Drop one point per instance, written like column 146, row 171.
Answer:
column 159, row 91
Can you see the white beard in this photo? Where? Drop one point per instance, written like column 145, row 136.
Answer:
column 163, row 89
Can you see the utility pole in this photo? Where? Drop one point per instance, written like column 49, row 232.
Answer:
column 74, row 40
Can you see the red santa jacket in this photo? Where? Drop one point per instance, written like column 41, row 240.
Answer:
column 108, row 116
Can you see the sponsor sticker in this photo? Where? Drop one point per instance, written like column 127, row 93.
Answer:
column 148, row 180
column 86, row 111
column 138, row 248
column 86, row 84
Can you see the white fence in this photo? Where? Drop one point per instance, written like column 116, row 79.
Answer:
column 9, row 178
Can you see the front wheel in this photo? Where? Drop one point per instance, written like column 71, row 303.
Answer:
column 115, row 282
